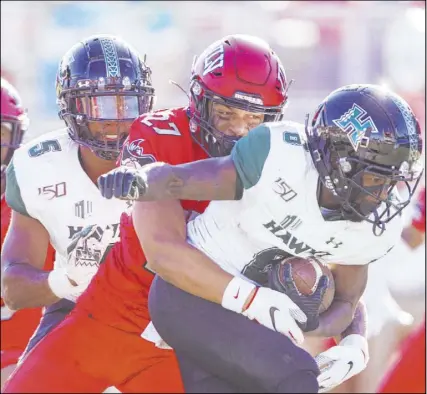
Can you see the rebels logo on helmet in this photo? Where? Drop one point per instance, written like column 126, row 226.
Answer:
column 214, row 60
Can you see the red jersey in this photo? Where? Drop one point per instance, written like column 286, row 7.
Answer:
column 17, row 327
column 118, row 294
column 5, row 218
column 419, row 219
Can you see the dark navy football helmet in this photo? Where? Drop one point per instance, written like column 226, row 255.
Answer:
column 363, row 140
column 102, row 85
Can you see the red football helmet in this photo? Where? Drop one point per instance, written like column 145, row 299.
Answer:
column 13, row 118
column 238, row 71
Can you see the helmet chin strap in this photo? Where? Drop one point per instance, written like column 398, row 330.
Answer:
column 357, row 212
column 378, row 224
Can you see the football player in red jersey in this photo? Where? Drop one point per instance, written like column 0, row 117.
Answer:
column 236, row 84
column 408, row 374
column 16, row 326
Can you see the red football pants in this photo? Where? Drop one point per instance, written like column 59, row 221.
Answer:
column 16, row 332
column 84, row 355
column 408, row 375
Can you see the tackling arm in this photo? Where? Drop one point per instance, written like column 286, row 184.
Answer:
column 203, row 180
column 161, row 225
column 169, row 255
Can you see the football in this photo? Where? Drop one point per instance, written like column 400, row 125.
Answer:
column 306, row 274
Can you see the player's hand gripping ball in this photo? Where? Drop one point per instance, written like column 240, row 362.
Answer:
column 308, row 282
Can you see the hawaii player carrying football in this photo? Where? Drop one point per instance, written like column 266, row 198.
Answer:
column 339, row 203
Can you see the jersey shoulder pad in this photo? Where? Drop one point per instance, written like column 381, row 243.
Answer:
column 264, row 146
column 157, row 136
column 289, row 150
column 41, row 152
column 54, row 141
column 13, row 191
column 250, row 153
column 292, row 133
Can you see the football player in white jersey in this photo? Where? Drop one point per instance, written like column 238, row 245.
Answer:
column 102, row 85
column 329, row 192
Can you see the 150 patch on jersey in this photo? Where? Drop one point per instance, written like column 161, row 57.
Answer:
column 285, row 192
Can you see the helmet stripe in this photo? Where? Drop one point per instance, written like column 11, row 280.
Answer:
column 408, row 116
column 111, row 58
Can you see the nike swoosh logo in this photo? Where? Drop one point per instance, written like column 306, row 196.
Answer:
column 273, row 320
column 350, row 367
column 238, row 291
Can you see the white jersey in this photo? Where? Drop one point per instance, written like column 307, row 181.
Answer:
column 278, row 214
column 47, row 182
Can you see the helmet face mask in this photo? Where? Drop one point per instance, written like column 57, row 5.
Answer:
column 99, row 99
column 241, row 73
column 363, row 176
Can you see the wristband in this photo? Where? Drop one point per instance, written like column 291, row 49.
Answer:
column 59, row 283
column 236, row 294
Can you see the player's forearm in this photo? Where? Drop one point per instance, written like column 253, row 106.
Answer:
column 359, row 323
column 187, row 268
column 334, row 320
column 204, row 180
column 25, row 286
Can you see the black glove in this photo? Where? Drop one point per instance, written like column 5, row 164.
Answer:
column 280, row 279
column 123, row 182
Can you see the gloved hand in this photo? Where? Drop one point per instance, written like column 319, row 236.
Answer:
column 341, row 362
column 149, row 183
column 123, row 182
column 280, row 279
column 270, row 308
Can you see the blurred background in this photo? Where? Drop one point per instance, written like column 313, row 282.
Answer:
column 322, row 44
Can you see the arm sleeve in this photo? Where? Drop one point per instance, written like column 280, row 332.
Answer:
column 249, row 156
column 13, row 191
